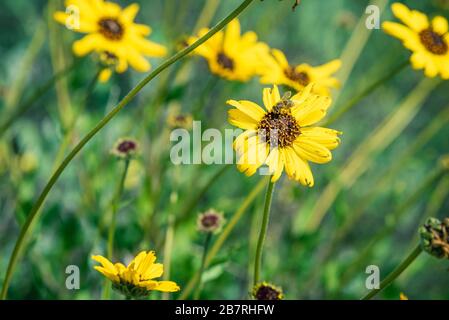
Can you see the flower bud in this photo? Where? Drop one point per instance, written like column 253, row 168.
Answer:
column 435, row 237
column 267, row 291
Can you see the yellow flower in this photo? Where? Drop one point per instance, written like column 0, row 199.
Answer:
column 136, row 279
column 279, row 71
column 280, row 136
column 176, row 119
column 231, row 55
column 429, row 40
column 402, row 296
column 111, row 30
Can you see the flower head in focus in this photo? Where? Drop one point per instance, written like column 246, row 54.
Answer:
column 267, row 291
column 427, row 39
column 230, row 54
column 279, row 71
column 111, row 30
column 136, row 280
column 281, row 136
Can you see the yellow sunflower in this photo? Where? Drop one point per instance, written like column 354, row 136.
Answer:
column 279, row 71
column 281, row 136
column 429, row 40
column 231, row 55
column 136, row 279
column 111, row 31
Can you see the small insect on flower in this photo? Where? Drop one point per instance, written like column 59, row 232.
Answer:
column 210, row 221
column 136, row 280
column 267, row 291
column 435, row 237
column 281, row 136
column 111, row 30
column 125, row 148
column 279, row 71
column 231, row 55
column 428, row 40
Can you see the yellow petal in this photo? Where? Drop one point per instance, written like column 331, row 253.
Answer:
column 129, row 13
column 249, row 108
column 105, row 263
column 280, row 58
column 111, row 276
column 311, row 151
column 166, row 286
column 439, row 25
column 241, row 120
column 414, row 19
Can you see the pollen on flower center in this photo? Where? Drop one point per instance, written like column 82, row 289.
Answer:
column 300, row 77
column 279, row 128
column 111, row 28
column 225, row 61
column 433, row 41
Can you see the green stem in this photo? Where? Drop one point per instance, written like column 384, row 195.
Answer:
column 125, row 101
column 111, row 232
column 224, row 235
column 37, row 94
column 396, row 273
column 202, row 267
column 194, row 202
column 368, row 90
column 263, row 231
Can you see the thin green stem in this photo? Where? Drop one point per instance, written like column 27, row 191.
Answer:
column 396, row 273
column 263, row 231
column 20, row 243
column 364, row 93
column 194, row 201
column 37, row 94
column 111, row 231
column 224, row 235
column 199, row 285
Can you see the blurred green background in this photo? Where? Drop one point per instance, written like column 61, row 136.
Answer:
column 297, row 257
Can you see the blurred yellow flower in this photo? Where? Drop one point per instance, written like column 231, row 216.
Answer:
column 176, row 119
column 136, row 279
column 111, row 31
column 429, row 40
column 280, row 137
column 231, row 55
column 279, row 71
column 402, row 296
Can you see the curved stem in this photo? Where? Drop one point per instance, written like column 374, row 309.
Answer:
column 203, row 263
column 263, row 232
column 396, row 273
column 359, row 97
column 125, row 101
column 111, row 232
column 228, row 228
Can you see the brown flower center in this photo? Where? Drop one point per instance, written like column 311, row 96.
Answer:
column 225, row 61
column 111, row 28
column 433, row 41
column 127, row 146
column 301, row 77
column 210, row 220
column 265, row 292
column 278, row 127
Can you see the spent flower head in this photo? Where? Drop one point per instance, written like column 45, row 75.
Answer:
column 210, row 221
column 136, row 280
column 435, row 237
column 267, row 291
column 125, row 148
